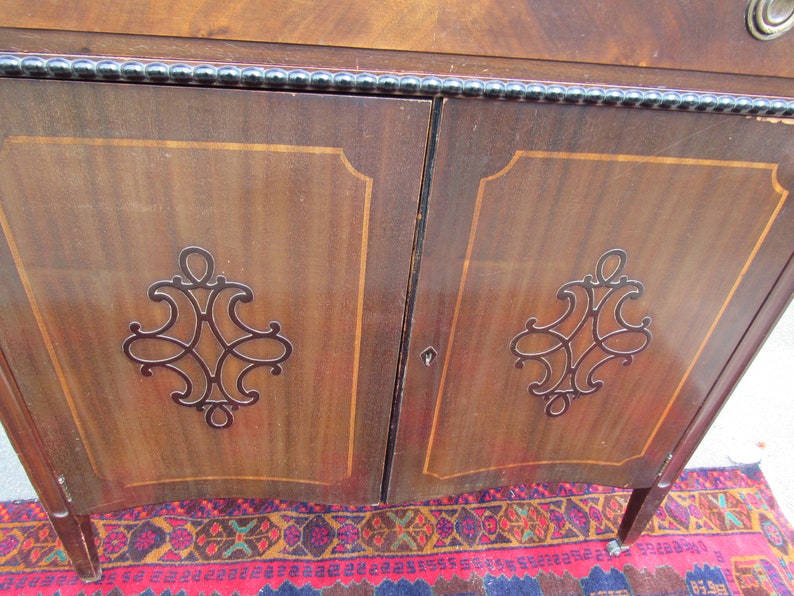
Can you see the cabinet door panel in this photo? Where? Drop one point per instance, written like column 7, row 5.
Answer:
column 304, row 204
column 586, row 274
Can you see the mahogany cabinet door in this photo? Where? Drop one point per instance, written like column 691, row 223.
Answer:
column 203, row 290
column 586, row 274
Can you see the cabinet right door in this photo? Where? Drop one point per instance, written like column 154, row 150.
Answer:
column 585, row 276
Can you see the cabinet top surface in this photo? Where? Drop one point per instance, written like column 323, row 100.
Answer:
column 709, row 35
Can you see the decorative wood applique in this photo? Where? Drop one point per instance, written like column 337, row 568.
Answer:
column 213, row 351
column 569, row 357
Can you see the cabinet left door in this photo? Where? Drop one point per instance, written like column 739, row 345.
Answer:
column 203, row 289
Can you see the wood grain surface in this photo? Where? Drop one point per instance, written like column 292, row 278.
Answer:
column 708, row 35
column 313, row 202
column 700, row 205
column 308, row 200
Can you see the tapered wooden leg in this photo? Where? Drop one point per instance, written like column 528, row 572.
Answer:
column 75, row 531
column 641, row 508
column 77, row 536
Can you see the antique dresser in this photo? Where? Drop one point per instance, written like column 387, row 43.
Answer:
column 359, row 252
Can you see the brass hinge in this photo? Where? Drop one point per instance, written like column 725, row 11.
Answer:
column 663, row 467
column 65, row 489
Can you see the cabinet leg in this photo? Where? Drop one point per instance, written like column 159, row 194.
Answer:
column 641, row 508
column 75, row 531
column 77, row 536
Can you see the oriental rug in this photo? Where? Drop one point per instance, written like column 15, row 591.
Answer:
column 719, row 532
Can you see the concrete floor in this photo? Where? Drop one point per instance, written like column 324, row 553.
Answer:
column 761, row 410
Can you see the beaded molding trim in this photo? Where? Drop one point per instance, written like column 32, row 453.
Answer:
column 252, row 77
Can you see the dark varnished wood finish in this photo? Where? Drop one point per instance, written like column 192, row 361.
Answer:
column 358, row 60
column 75, row 531
column 644, row 502
column 700, row 205
column 708, row 37
column 93, row 223
column 308, row 200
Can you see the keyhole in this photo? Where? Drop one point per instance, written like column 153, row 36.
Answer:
column 428, row 355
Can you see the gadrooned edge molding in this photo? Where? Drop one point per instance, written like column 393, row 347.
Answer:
column 258, row 77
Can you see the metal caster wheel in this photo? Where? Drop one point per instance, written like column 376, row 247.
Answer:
column 615, row 548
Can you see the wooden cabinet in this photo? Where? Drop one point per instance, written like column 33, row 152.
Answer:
column 244, row 259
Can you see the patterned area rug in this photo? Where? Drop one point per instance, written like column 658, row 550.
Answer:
column 718, row 533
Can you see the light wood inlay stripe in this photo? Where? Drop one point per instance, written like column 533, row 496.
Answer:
column 638, row 159
column 171, row 144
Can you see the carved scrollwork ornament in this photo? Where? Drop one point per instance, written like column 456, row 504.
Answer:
column 214, row 383
column 769, row 19
column 568, row 358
